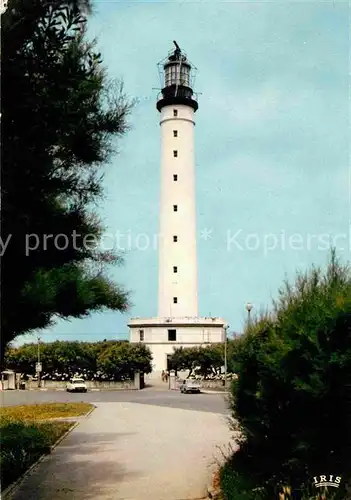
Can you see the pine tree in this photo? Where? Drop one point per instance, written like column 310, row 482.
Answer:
column 60, row 118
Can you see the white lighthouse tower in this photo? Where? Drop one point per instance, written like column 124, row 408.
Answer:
column 178, row 323
column 177, row 294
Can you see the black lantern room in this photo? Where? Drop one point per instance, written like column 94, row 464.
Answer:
column 177, row 81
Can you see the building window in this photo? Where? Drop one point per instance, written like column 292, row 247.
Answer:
column 175, row 269
column 175, row 112
column 175, row 239
column 175, row 177
column 175, row 153
column 175, row 300
column 172, row 335
column 175, row 208
column 141, row 335
column 175, row 133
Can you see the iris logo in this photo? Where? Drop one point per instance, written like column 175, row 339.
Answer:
column 323, row 481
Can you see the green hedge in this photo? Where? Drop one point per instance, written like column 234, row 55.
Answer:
column 291, row 397
column 22, row 443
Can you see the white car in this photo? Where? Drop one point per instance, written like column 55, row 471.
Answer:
column 76, row 385
column 190, row 385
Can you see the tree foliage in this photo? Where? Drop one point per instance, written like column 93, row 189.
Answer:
column 125, row 359
column 108, row 360
column 205, row 361
column 60, row 118
column 291, row 396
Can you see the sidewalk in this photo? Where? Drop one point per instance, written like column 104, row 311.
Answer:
column 209, row 391
column 131, row 451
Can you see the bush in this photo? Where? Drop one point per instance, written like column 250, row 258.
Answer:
column 290, row 399
column 22, row 443
column 61, row 360
column 121, row 360
column 236, row 485
column 205, row 361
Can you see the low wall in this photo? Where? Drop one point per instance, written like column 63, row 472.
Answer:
column 212, row 384
column 91, row 384
column 207, row 384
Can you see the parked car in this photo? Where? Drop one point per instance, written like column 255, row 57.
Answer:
column 76, row 385
column 190, row 386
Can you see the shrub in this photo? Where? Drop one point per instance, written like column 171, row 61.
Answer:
column 290, row 399
column 61, row 360
column 22, row 443
column 237, row 486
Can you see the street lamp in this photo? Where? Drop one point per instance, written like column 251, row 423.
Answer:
column 225, row 356
column 38, row 365
column 249, row 307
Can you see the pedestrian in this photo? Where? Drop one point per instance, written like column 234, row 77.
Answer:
column 163, row 375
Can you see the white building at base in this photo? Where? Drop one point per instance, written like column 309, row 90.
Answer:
column 178, row 323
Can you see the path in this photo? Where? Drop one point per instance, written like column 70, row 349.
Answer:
column 131, row 451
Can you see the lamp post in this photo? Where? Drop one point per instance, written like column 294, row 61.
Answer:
column 38, row 366
column 225, row 357
column 249, row 307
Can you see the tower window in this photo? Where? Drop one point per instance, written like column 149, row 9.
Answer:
column 175, row 153
column 175, row 239
column 141, row 335
column 175, row 177
column 172, row 335
column 175, row 112
column 175, row 208
column 175, row 269
column 175, row 133
column 175, row 300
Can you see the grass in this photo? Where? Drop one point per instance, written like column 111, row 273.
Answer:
column 236, row 486
column 239, row 486
column 44, row 411
column 26, row 434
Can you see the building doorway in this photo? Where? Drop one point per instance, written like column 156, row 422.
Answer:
column 168, row 363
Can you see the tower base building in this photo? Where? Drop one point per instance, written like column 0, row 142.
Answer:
column 162, row 335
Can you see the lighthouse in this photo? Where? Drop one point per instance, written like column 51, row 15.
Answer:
column 177, row 295
column 177, row 323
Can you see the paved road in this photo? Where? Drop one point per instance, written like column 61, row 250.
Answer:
column 132, row 451
column 214, row 403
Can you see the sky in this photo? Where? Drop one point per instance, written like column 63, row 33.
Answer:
column 272, row 149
